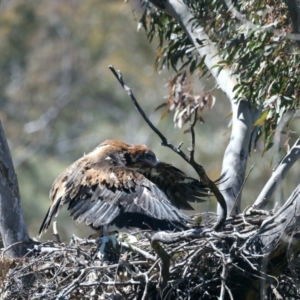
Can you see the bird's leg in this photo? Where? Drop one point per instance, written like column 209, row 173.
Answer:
column 105, row 239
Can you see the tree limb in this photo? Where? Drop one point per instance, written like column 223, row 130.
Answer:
column 277, row 230
column 277, row 176
column 12, row 225
column 165, row 264
column 164, row 142
column 181, row 13
column 236, row 155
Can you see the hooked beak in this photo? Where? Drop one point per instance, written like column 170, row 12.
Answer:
column 157, row 164
column 153, row 162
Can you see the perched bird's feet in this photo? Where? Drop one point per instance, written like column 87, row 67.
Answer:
column 109, row 250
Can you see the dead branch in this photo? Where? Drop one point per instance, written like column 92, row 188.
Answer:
column 190, row 160
column 278, row 175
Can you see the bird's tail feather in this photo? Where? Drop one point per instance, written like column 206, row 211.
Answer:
column 52, row 211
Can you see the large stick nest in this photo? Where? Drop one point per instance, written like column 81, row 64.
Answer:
column 208, row 266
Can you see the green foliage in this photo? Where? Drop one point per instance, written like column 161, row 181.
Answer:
column 264, row 61
column 174, row 47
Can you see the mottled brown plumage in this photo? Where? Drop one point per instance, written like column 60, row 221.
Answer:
column 126, row 186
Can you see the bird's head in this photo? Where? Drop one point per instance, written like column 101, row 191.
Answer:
column 141, row 156
column 133, row 156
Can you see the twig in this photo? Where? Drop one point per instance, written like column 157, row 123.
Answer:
column 192, row 126
column 68, row 290
column 164, row 142
column 134, row 248
column 153, row 266
column 146, row 287
column 61, row 267
column 67, row 271
column 179, row 247
column 229, row 292
column 16, row 244
column 110, row 283
column 40, row 248
column 224, row 274
column 119, row 76
column 165, row 264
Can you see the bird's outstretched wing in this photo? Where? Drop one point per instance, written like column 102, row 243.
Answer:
column 105, row 194
column 178, row 187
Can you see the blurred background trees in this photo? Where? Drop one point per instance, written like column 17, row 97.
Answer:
column 58, row 99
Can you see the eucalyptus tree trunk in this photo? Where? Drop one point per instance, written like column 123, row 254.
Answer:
column 276, row 239
column 243, row 115
column 12, row 225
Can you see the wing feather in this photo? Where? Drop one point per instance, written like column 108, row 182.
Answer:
column 79, row 207
column 105, row 212
column 178, row 187
column 105, row 194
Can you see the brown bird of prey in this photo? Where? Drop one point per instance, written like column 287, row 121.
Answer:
column 125, row 186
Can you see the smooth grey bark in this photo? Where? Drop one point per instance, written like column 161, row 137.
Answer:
column 275, row 244
column 243, row 116
column 236, row 157
column 12, row 225
column 181, row 13
column 280, row 228
column 278, row 175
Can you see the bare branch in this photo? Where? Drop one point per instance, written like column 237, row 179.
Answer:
column 236, row 155
column 235, row 259
column 142, row 252
column 278, row 175
column 165, row 263
column 192, row 126
column 164, row 142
